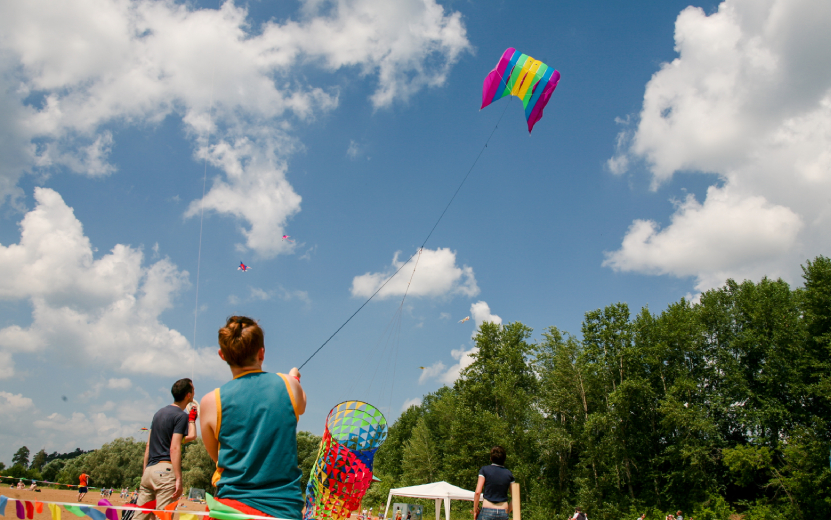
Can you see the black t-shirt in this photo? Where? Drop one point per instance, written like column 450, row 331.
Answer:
column 497, row 481
column 167, row 421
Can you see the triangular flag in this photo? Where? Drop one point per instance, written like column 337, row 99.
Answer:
column 3, row 501
column 186, row 516
column 55, row 509
column 21, row 511
column 110, row 513
column 38, row 507
column 95, row 514
column 75, row 510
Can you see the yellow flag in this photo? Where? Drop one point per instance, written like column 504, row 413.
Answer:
column 185, row 516
column 55, row 509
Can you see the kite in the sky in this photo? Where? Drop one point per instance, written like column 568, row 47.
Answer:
column 144, row 429
column 421, row 368
column 464, row 320
column 242, row 267
column 286, row 237
column 522, row 76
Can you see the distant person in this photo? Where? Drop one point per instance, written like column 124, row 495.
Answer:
column 161, row 479
column 82, row 486
column 579, row 515
column 397, row 513
column 409, row 515
column 249, row 426
column 34, row 486
column 642, row 517
column 494, row 484
column 678, row 516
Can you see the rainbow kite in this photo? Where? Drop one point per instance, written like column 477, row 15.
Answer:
column 343, row 471
column 522, row 76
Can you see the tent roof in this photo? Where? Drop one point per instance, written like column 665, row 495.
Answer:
column 434, row 490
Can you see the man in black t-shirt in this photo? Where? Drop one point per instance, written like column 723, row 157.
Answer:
column 161, row 480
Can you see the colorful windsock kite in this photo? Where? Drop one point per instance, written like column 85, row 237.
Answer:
column 522, row 76
column 343, row 471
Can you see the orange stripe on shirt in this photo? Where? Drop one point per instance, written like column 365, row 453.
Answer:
column 291, row 396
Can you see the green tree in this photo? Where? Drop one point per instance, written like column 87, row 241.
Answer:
column 308, row 445
column 420, row 462
column 197, row 467
column 21, row 457
column 39, row 460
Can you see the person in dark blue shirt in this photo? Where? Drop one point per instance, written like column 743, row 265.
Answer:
column 494, row 485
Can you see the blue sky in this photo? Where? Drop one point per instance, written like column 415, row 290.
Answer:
column 683, row 145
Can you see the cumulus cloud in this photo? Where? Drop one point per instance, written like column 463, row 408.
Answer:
column 464, row 356
column 748, row 99
column 481, row 312
column 415, row 401
column 103, row 310
column 69, row 70
column 94, row 429
column 436, row 275
column 433, row 371
column 120, row 383
column 11, row 404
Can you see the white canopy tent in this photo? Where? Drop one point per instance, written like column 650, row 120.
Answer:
column 438, row 491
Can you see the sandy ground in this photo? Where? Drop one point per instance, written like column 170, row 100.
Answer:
column 71, row 496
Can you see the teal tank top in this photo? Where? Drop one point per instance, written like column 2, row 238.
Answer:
column 257, row 431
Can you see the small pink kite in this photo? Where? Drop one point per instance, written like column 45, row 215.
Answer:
column 286, row 237
column 242, row 267
column 464, row 320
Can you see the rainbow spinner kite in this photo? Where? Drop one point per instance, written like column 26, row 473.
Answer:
column 343, row 471
column 522, row 76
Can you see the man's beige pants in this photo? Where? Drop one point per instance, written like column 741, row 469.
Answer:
column 157, row 483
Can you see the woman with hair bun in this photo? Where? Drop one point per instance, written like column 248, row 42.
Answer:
column 249, row 426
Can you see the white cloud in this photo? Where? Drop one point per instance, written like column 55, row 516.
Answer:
column 481, row 312
column 94, row 429
column 749, row 99
column 12, row 404
column 259, row 294
column 436, row 275
column 70, row 69
column 85, row 310
column 464, row 358
column 121, row 383
column 444, row 316
column 415, row 401
column 353, row 151
column 433, row 371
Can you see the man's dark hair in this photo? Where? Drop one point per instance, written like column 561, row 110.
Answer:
column 181, row 388
column 498, row 455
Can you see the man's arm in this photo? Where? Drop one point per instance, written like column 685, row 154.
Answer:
column 192, row 415
column 207, row 421
column 146, row 452
column 176, row 460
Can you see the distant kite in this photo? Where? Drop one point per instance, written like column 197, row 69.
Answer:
column 522, row 76
column 286, row 237
column 144, row 429
column 464, row 320
column 242, row 267
column 421, row 368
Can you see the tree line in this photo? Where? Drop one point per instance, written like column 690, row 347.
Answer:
column 715, row 408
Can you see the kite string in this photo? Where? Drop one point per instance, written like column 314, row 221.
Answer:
column 201, row 220
column 425, row 240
